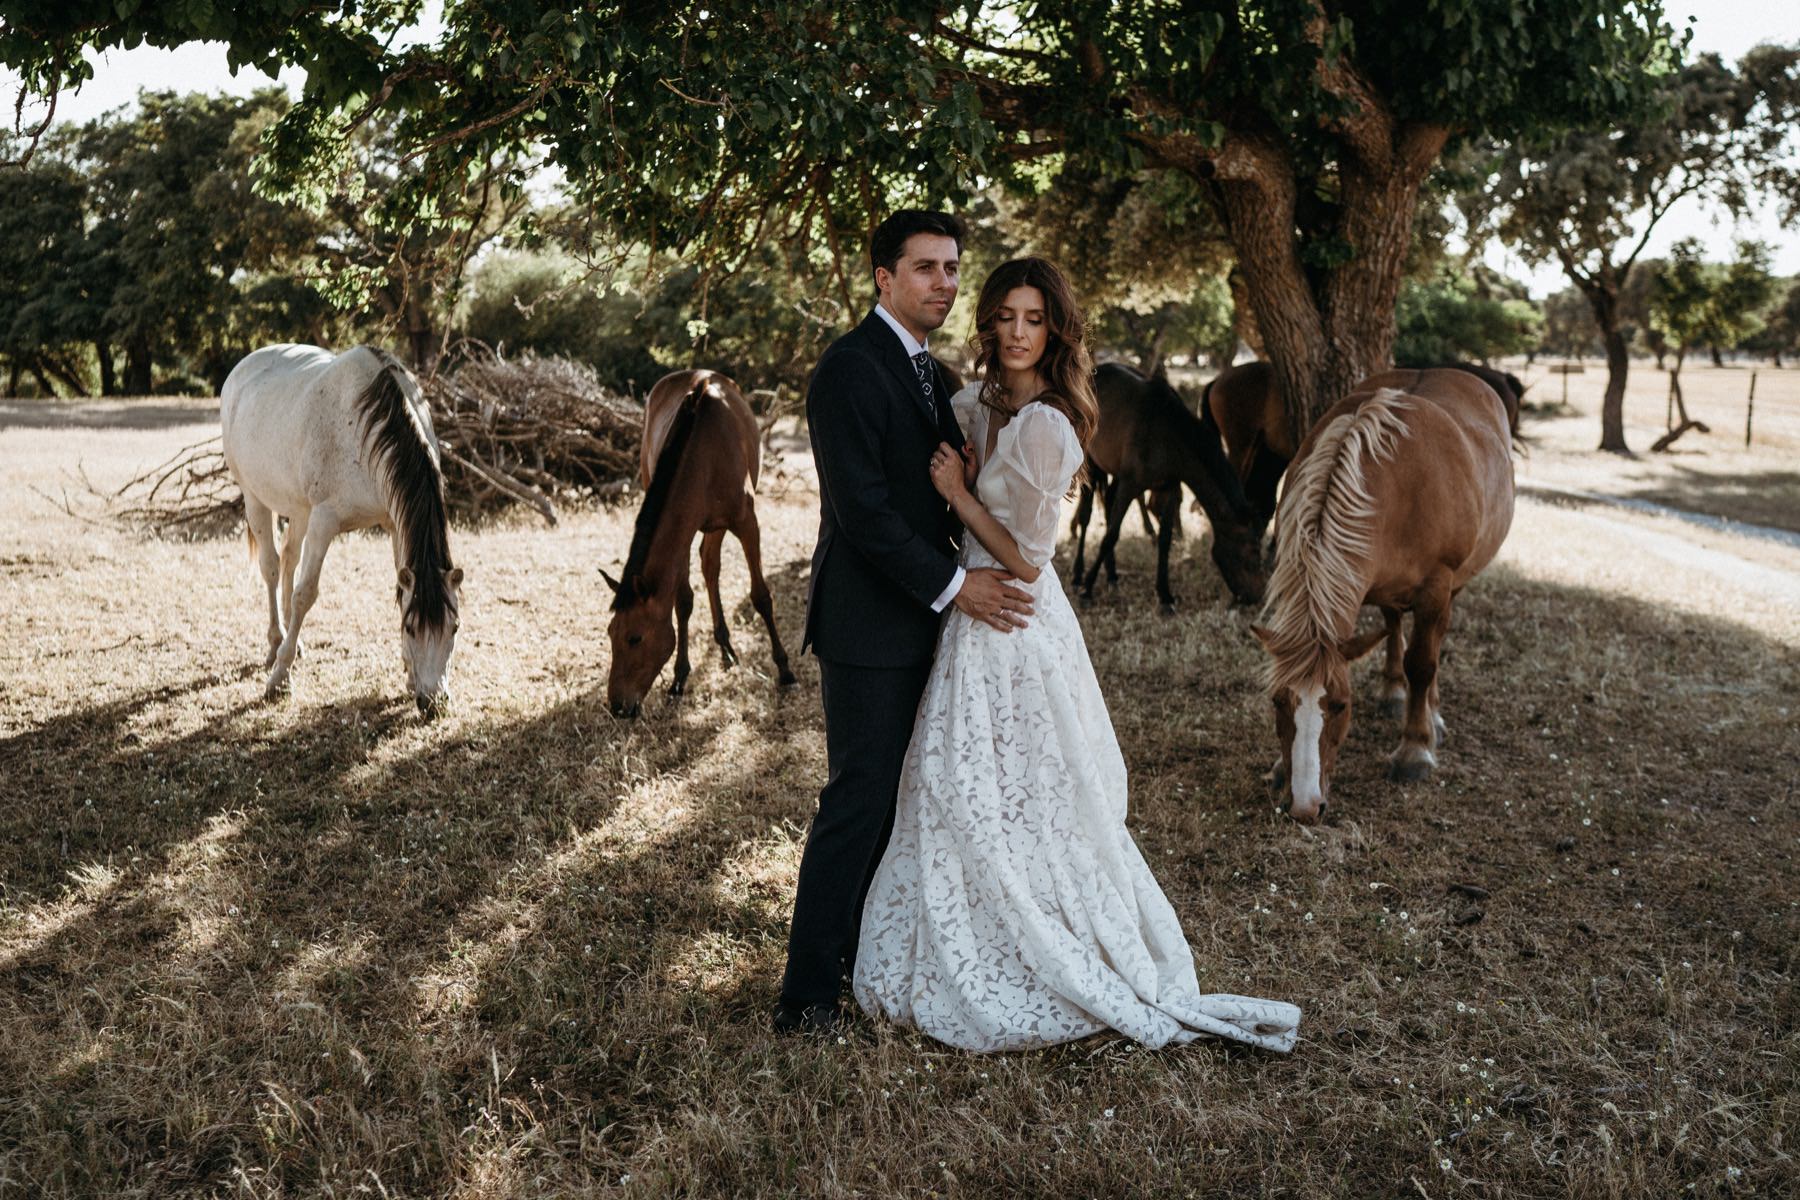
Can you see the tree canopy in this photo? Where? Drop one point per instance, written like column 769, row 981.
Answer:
column 1590, row 199
column 714, row 130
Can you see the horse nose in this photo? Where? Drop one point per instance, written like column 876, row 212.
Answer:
column 625, row 711
column 432, row 706
column 1308, row 811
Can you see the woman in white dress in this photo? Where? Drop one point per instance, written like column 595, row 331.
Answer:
column 1012, row 908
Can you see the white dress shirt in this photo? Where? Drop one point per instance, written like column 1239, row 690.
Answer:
column 913, row 346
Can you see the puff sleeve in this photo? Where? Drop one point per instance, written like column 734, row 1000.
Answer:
column 1039, row 460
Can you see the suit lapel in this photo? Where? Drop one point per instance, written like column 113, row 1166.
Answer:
column 893, row 356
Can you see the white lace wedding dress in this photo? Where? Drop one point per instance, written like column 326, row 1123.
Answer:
column 1012, row 909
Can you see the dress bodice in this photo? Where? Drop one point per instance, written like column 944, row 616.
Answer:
column 1022, row 483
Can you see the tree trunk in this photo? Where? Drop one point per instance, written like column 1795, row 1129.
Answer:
column 137, row 368
column 37, row 371
column 1612, row 408
column 1718, row 361
column 70, row 377
column 109, row 382
column 14, row 370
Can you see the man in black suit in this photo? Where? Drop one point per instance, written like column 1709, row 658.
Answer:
column 884, row 568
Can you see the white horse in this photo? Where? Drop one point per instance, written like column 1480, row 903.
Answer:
column 335, row 442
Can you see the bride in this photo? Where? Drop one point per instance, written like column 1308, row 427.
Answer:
column 1012, row 909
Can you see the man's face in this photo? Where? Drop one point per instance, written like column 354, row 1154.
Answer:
column 922, row 286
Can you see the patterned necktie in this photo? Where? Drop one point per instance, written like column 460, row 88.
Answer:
column 922, row 368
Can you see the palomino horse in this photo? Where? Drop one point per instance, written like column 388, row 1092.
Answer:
column 1147, row 440
column 1400, row 494
column 1244, row 404
column 336, row 442
column 699, row 464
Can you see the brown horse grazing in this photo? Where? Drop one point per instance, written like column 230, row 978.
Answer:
column 699, row 464
column 1401, row 493
column 1147, row 440
column 1244, row 404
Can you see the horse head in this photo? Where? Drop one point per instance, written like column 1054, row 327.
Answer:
column 643, row 637
column 429, row 607
column 1312, row 717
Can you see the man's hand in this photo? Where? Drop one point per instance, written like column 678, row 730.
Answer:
column 987, row 596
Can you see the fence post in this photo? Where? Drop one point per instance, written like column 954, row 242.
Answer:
column 1749, row 410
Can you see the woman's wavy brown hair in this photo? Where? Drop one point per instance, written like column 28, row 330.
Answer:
column 1067, row 368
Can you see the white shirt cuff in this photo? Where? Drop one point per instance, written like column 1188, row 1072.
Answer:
column 956, row 582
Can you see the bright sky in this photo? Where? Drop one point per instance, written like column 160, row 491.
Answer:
column 1726, row 27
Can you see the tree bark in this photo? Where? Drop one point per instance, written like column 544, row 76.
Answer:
column 109, row 381
column 70, row 377
column 1612, row 408
column 137, row 368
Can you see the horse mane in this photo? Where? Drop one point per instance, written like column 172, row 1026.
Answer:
column 1322, row 535
column 656, row 498
column 415, row 484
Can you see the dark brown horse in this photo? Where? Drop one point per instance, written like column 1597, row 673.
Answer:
column 1244, row 404
column 699, row 464
column 1148, row 441
column 1400, row 494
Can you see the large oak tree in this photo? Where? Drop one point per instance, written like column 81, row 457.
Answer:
column 713, row 127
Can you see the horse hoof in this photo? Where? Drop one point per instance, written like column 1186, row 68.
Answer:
column 1410, row 770
column 1393, row 707
column 1439, row 731
column 727, row 659
column 786, row 679
column 277, row 689
column 1167, row 608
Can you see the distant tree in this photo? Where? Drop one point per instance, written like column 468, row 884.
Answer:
column 1446, row 319
column 1569, row 330
column 1696, row 303
column 1590, row 200
column 174, row 229
column 712, row 130
column 1780, row 332
column 45, row 309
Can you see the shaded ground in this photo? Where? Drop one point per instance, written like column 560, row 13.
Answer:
column 318, row 946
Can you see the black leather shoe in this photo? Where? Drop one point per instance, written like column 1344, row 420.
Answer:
column 810, row 1018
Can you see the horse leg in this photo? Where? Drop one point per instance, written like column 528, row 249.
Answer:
column 321, row 527
column 1393, row 676
column 1168, row 512
column 290, row 561
column 1114, row 513
column 261, row 522
column 1118, row 504
column 711, row 547
column 1078, row 525
column 684, row 608
column 1414, row 760
column 749, row 536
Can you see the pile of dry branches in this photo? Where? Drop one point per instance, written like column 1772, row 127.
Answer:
column 530, row 430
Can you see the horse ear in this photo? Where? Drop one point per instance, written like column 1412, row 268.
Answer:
column 1354, row 647
column 454, row 577
column 407, row 579
column 610, row 581
column 1265, row 637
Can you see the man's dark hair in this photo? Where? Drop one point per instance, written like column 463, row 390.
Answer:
column 889, row 238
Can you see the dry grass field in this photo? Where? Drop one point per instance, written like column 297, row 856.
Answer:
column 319, row 947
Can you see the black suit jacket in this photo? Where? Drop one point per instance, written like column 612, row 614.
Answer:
column 886, row 546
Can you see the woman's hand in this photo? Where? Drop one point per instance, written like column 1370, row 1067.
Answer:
column 949, row 472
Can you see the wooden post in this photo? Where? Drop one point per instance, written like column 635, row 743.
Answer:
column 1749, row 410
column 1565, row 375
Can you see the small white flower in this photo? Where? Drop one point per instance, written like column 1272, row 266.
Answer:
column 1461, row 1007
column 1444, row 1163
column 625, row 1178
column 1108, row 1114
column 1587, row 820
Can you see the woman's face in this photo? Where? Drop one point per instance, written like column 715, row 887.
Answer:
column 1021, row 329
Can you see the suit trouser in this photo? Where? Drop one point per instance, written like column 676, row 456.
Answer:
column 868, row 722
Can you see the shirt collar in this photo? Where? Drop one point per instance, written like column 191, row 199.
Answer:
column 912, row 344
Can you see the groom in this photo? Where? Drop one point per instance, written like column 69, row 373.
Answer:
column 884, row 568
